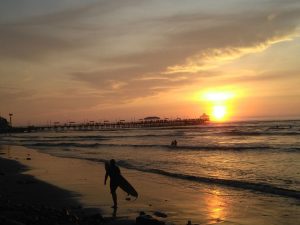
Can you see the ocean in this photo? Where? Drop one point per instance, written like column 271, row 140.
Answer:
column 261, row 157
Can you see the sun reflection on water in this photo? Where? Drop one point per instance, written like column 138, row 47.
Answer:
column 216, row 207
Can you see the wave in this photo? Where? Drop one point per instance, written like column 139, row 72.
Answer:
column 168, row 147
column 258, row 133
column 63, row 144
column 91, row 137
column 260, row 187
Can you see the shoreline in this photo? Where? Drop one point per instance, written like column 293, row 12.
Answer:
column 25, row 199
column 30, row 183
column 179, row 200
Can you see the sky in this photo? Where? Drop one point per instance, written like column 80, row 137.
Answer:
column 71, row 60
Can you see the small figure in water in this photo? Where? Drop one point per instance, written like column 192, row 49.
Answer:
column 174, row 143
column 113, row 171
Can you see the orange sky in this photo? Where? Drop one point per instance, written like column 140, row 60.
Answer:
column 108, row 60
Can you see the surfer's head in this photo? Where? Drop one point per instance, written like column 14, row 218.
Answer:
column 112, row 162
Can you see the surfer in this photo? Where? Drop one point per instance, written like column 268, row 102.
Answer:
column 114, row 173
column 117, row 180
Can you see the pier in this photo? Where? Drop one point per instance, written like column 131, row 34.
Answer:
column 106, row 125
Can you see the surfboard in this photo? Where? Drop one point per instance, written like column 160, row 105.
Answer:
column 124, row 184
column 127, row 187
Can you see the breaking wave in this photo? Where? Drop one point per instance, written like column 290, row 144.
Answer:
column 260, row 187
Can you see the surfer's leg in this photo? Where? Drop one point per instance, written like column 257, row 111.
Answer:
column 114, row 197
column 113, row 188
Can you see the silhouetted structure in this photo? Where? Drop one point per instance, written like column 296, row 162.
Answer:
column 205, row 117
column 10, row 120
column 121, row 124
column 4, row 125
column 151, row 118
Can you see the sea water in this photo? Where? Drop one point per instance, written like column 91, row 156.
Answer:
column 261, row 157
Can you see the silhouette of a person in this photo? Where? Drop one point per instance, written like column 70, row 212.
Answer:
column 114, row 173
column 174, row 143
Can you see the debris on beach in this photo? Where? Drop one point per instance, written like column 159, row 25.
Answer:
column 148, row 220
column 19, row 213
column 160, row 214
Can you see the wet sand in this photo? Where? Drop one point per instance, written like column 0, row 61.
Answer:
column 80, row 183
column 27, row 200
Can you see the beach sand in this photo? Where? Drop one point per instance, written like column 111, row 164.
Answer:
column 75, row 183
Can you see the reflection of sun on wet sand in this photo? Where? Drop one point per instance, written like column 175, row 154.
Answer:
column 216, row 207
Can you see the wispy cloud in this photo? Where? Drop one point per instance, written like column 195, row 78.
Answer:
column 213, row 58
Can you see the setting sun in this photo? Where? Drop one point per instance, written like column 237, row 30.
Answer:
column 219, row 112
column 219, row 104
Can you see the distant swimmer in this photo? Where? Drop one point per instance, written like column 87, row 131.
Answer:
column 174, row 143
column 117, row 180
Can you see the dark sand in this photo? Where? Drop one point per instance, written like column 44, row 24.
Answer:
column 27, row 200
column 22, row 188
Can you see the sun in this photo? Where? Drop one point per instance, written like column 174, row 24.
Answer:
column 219, row 104
column 219, row 112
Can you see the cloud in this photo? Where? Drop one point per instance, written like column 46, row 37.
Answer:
column 123, row 86
column 27, row 44
column 265, row 76
column 192, row 50
column 8, row 93
column 117, row 52
column 214, row 58
column 66, row 32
